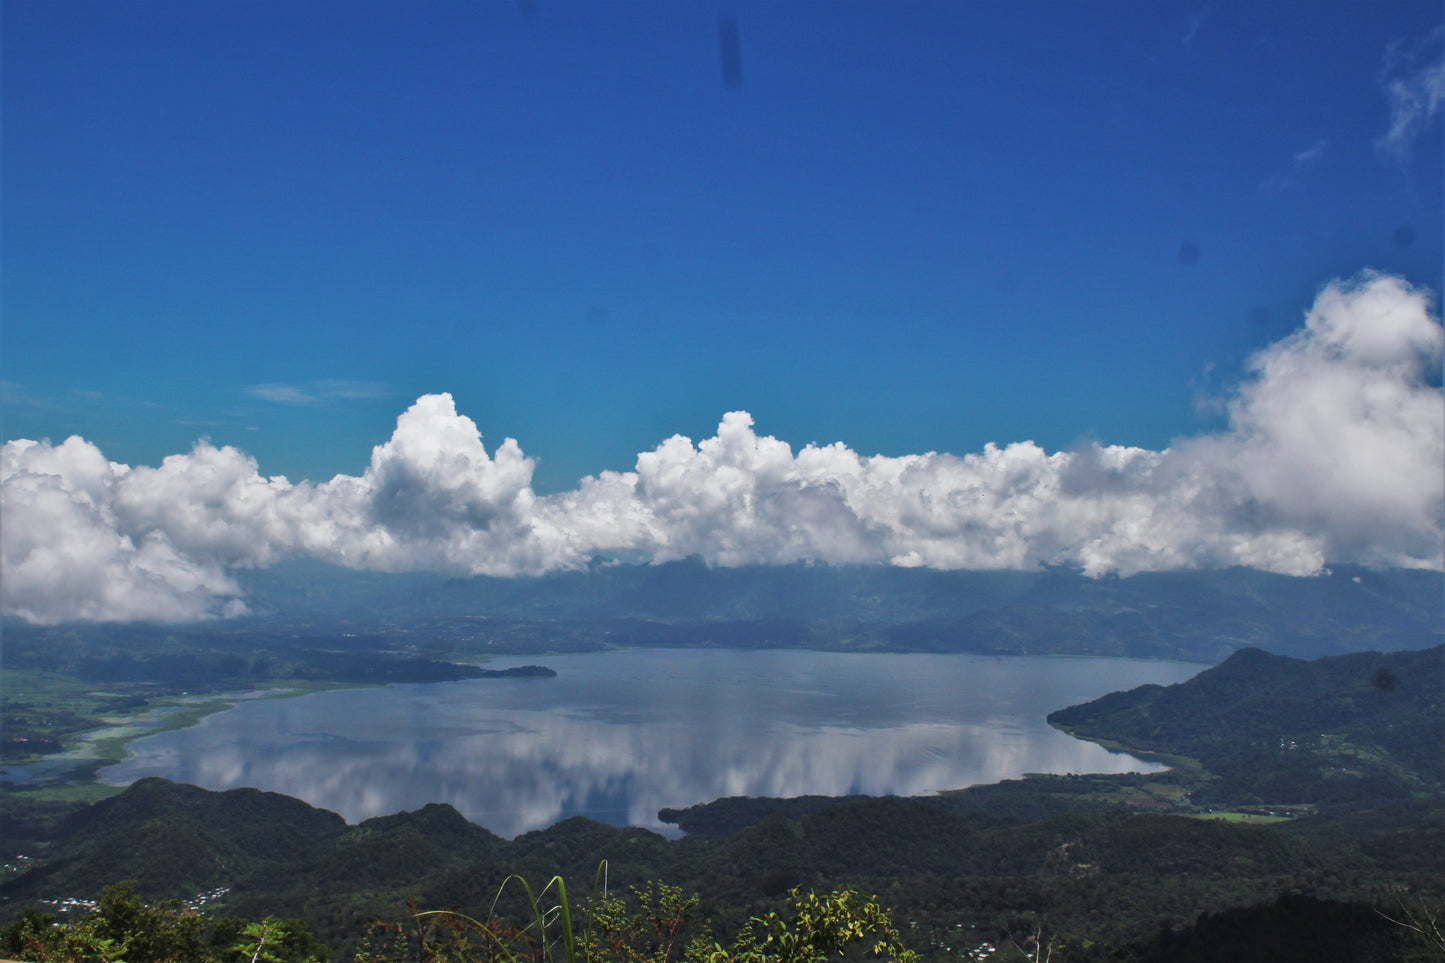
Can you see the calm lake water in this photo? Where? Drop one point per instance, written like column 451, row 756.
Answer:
column 619, row 735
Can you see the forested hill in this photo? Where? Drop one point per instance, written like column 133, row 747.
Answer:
column 1348, row 729
column 1098, row 877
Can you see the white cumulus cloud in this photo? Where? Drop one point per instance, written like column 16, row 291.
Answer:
column 67, row 554
column 1335, row 451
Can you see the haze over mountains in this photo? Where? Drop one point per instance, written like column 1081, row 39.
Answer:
column 1201, row 616
column 314, row 621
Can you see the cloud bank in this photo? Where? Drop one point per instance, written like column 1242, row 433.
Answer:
column 1334, row 451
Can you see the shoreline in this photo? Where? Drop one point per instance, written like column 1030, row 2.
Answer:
column 76, row 768
column 95, row 749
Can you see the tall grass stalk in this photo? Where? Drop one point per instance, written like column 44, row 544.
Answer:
column 550, row 929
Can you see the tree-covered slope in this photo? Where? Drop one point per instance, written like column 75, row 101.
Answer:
column 1103, row 876
column 1365, row 727
column 1293, row 929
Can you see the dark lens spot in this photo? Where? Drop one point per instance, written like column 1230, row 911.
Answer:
column 730, row 49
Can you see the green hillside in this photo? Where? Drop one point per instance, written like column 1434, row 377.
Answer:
column 1098, row 878
column 1353, row 729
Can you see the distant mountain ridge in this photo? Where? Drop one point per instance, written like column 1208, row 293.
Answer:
column 1198, row 615
column 690, row 591
column 318, row 622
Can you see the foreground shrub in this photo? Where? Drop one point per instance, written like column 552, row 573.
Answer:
column 124, row 929
column 647, row 929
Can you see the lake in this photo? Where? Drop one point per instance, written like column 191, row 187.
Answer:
column 617, row 736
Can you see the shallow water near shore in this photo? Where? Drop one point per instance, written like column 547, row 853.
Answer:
column 617, row 736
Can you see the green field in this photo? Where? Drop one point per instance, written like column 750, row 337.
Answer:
column 58, row 718
column 1238, row 817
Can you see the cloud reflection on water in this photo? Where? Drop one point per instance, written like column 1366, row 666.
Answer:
column 620, row 736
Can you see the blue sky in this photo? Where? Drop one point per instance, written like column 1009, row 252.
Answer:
column 910, row 227
column 1125, row 286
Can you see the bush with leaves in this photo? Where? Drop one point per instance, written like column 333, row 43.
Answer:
column 648, row 928
column 124, row 929
column 816, row 928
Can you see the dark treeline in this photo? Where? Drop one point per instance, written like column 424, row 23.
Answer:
column 1106, row 879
